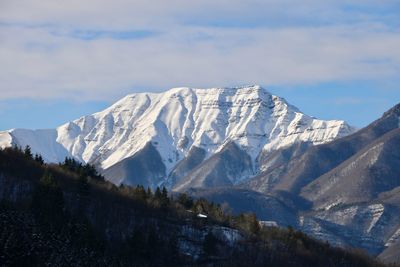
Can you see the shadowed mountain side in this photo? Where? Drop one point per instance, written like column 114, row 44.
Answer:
column 144, row 168
column 363, row 225
column 270, row 159
column 373, row 170
column 194, row 158
column 272, row 165
column 391, row 197
column 320, row 159
column 224, row 168
column 391, row 254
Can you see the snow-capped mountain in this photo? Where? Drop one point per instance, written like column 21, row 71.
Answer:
column 172, row 125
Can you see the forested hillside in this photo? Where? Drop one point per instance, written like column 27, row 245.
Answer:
column 68, row 215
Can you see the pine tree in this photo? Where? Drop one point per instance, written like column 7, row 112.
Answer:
column 38, row 158
column 141, row 193
column 157, row 193
column 185, row 201
column 28, row 152
column 149, row 192
column 164, row 198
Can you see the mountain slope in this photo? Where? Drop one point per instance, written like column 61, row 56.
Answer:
column 224, row 168
column 373, row 170
column 357, row 194
column 391, row 254
column 177, row 122
column 345, row 191
column 318, row 160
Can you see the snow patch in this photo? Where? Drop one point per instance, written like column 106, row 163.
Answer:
column 393, row 239
column 5, row 140
column 376, row 212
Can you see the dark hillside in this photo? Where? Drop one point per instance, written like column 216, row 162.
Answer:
column 67, row 215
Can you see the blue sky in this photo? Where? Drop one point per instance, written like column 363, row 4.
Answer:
column 332, row 59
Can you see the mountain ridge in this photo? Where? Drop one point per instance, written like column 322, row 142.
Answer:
column 178, row 121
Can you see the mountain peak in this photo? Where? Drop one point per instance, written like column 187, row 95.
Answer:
column 393, row 111
column 179, row 120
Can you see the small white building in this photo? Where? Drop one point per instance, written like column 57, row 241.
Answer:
column 269, row 223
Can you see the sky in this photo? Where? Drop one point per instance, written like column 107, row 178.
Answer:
column 332, row 59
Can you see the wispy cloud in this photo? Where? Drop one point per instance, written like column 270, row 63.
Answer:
column 101, row 34
column 102, row 49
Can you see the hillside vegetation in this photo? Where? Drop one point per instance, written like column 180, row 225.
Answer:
column 68, row 215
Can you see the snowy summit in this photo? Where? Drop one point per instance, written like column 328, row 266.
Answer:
column 177, row 121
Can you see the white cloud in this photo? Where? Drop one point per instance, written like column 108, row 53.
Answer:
column 41, row 58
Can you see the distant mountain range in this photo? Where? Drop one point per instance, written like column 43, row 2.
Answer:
column 250, row 149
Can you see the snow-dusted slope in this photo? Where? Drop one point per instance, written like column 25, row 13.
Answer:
column 41, row 141
column 177, row 120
